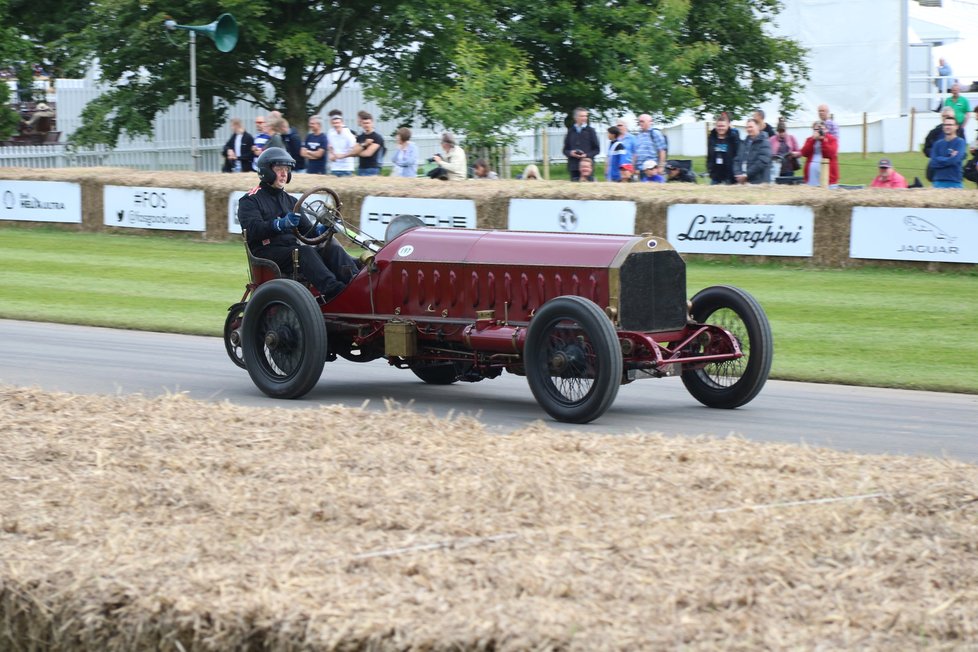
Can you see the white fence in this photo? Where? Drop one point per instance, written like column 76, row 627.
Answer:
column 170, row 149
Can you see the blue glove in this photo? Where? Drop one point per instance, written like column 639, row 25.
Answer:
column 320, row 229
column 290, row 221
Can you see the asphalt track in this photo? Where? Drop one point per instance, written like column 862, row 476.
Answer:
column 88, row 360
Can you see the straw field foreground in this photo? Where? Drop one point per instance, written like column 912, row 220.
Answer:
column 128, row 523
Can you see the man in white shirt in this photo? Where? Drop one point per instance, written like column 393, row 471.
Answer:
column 341, row 145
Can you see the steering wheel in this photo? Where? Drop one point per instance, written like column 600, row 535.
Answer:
column 321, row 206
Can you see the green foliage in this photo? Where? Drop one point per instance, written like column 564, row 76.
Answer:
column 488, row 99
column 657, row 56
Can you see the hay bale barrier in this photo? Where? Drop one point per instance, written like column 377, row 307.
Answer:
column 129, row 523
column 832, row 208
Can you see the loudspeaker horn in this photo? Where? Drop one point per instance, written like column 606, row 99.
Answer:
column 223, row 31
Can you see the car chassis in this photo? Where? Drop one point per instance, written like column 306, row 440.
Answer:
column 577, row 314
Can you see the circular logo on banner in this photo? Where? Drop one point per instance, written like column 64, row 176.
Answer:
column 567, row 219
column 8, row 199
column 405, row 251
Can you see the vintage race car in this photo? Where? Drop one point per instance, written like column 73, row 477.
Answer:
column 577, row 314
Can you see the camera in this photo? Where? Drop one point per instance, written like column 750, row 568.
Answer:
column 821, row 132
column 431, row 160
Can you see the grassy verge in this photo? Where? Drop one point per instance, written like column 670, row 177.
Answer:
column 882, row 327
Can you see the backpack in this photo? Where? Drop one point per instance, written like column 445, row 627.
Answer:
column 970, row 169
column 664, row 137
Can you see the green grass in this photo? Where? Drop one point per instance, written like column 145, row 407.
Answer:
column 867, row 326
column 853, row 168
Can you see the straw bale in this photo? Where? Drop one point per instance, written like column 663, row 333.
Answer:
column 166, row 523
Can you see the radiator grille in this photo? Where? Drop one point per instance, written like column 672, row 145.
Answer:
column 653, row 291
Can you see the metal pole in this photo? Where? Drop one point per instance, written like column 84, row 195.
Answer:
column 194, row 121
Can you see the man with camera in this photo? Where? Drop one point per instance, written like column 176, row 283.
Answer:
column 452, row 165
column 580, row 142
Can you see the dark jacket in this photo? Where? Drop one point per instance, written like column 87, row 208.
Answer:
column 257, row 209
column 754, row 159
column 720, row 155
column 586, row 141
column 247, row 156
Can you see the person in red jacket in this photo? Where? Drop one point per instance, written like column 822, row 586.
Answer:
column 820, row 145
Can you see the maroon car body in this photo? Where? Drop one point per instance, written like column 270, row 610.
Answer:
column 577, row 314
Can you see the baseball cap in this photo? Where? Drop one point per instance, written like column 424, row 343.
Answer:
column 627, row 166
column 649, row 164
column 885, row 163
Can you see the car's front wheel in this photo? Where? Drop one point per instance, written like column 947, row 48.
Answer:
column 572, row 359
column 731, row 383
column 283, row 339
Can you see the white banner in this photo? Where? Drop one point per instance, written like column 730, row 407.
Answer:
column 170, row 209
column 948, row 235
column 741, row 230
column 40, row 201
column 377, row 212
column 572, row 216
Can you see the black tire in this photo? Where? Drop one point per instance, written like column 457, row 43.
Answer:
column 572, row 359
column 439, row 373
column 732, row 383
column 232, row 334
column 284, row 339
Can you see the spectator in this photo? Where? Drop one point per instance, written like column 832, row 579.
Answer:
column 947, row 155
column 42, row 120
column 721, row 150
column 675, row 172
column 481, row 170
column 888, row 177
column 626, row 173
column 959, row 103
column 820, row 145
column 405, row 161
column 937, row 132
column 586, row 169
column 580, row 142
column 453, row 162
column 237, row 151
column 626, row 137
column 618, row 155
column 261, row 136
column 650, row 172
column 315, row 147
column 763, row 126
column 370, row 147
column 785, row 147
column 943, row 81
column 649, row 142
column 276, row 126
column 531, row 172
column 753, row 162
column 342, row 145
column 830, row 127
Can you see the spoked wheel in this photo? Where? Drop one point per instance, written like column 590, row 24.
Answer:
column 572, row 359
column 731, row 383
column 232, row 334
column 284, row 339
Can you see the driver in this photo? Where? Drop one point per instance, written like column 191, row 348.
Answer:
column 266, row 213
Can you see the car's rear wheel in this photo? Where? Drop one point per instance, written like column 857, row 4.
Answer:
column 731, row 383
column 572, row 359
column 284, row 339
column 232, row 334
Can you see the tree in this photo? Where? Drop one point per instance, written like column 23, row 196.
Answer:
column 657, row 56
column 14, row 52
column 55, row 32
column 285, row 49
column 485, row 98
